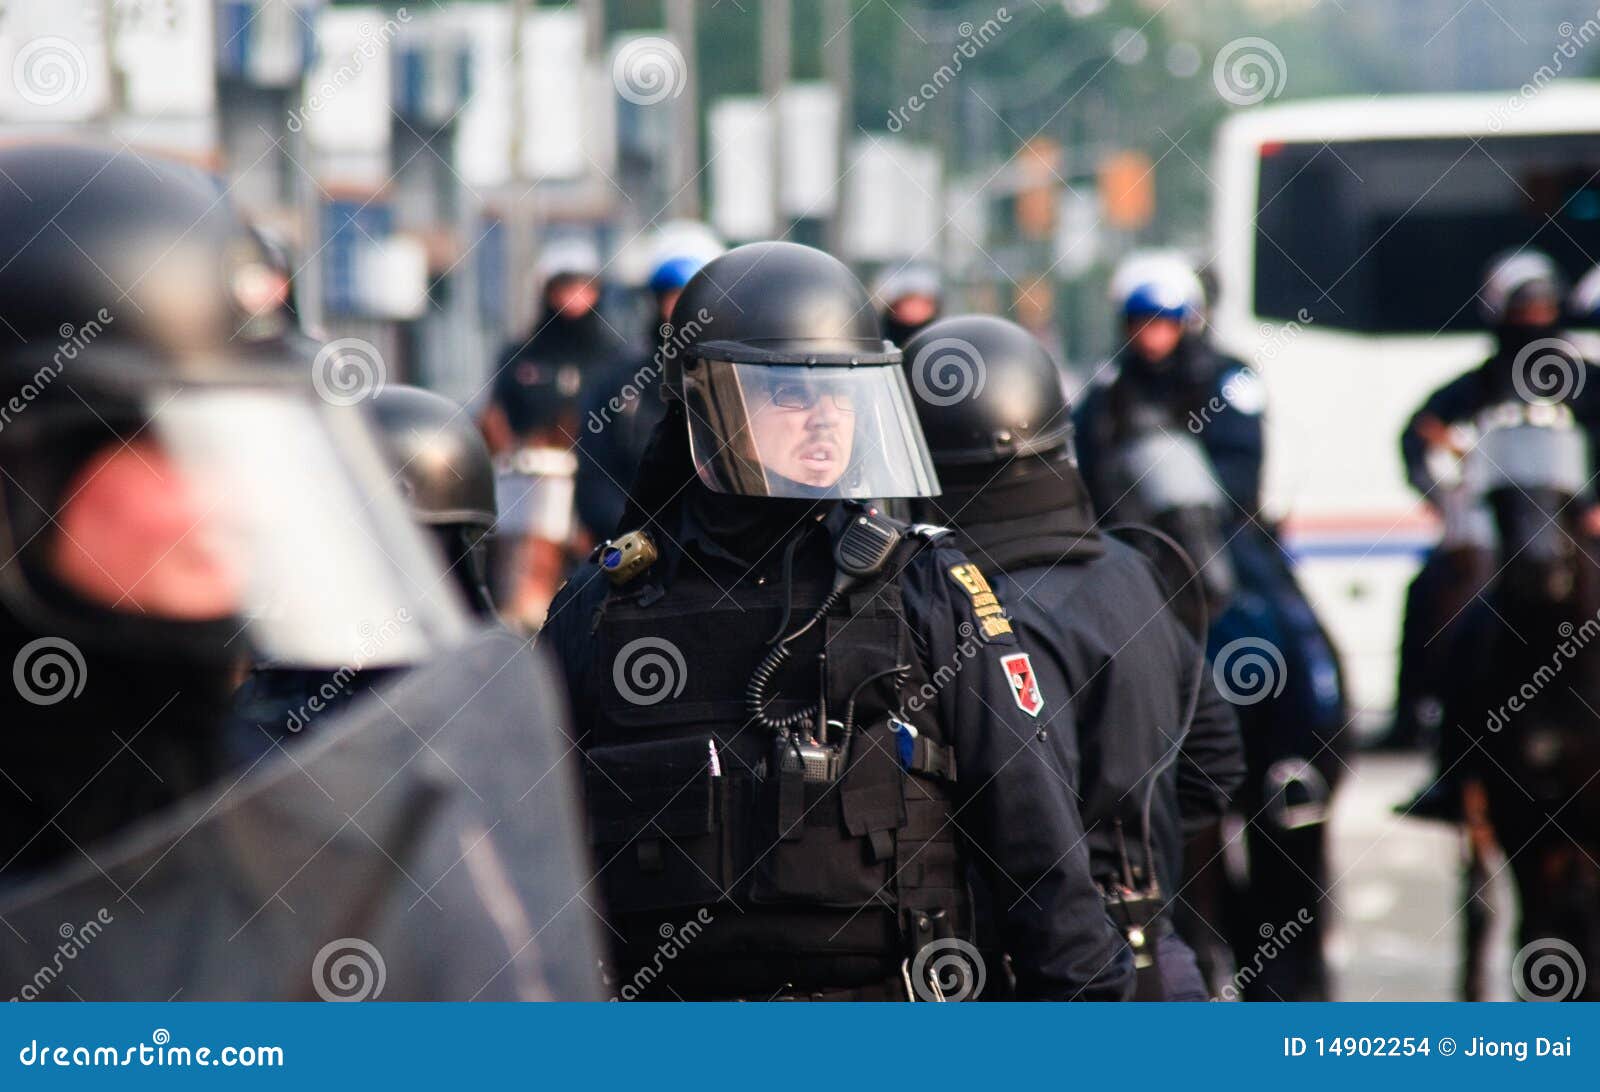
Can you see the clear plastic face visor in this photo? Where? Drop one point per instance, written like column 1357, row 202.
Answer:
column 795, row 430
column 260, row 506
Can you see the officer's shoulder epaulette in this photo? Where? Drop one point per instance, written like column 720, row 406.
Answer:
column 993, row 622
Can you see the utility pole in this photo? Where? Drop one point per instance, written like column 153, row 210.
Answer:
column 775, row 31
column 684, row 153
column 837, row 44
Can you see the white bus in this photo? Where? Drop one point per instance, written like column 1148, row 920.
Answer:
column 1350, row 236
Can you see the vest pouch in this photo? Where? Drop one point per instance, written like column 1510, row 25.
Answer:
column 840, row 850
column 657, row 811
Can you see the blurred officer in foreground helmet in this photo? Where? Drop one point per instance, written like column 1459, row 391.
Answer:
column 178, row 501
column 909, row 297
column 798, row 713
column 1168, row 392
column 1156, row 750
column 623, row 405
column 445, row 475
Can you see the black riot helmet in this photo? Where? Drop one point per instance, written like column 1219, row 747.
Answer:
column 789, row 387
column 446, row 475
column 177, row 464
column 987, row 391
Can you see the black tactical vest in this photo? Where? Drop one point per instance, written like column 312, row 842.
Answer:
column 740, row 862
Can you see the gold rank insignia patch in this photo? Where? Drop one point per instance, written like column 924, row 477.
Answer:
column 992, row 620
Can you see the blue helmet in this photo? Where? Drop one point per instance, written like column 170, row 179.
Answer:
column 671, row 274
column 1156, row 284
column 1149, row 301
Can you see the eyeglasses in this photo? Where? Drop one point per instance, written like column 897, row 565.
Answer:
column 803, row 396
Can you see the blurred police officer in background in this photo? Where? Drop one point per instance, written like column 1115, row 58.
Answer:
column 1156, row 751
column 1169, row 399
column 1166, row 371
column 1521, row 304
column 798, row 714
column 177, row 502
column 532, row 423
column 623, row 405
column 909, row 297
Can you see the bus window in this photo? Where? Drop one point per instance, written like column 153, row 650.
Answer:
column 1392, row 236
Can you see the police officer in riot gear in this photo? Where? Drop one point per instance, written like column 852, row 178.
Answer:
column 1533, row 361
column 798, row 714
column 177, row 501
column 532, row 424
column 1167, row 375
column 1167, row 384
column 1157, row 751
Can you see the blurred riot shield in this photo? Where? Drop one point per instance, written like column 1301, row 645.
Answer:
column 422, row 845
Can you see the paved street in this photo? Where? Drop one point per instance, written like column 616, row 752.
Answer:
column 1398, row 889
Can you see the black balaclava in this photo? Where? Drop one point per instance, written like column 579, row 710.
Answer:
column 142, row 732
column 555, row 333
column 1033, row 509
column 1510, row 338
column 902, row 332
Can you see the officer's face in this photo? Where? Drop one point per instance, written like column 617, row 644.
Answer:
column 1539, row 311
column 805, row 432
column 915, row 310
column 137, row 536
column 666, row 301
column 572, row 297
column 1154, row 338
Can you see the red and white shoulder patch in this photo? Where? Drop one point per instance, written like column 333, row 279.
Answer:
column 1024, row 684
